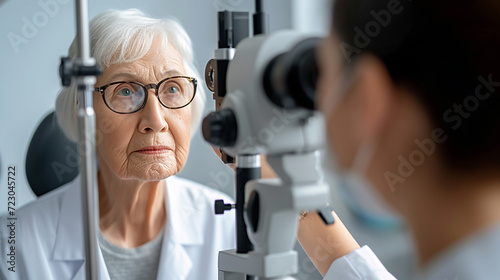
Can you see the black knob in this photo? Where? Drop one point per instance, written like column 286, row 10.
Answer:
column 66, row 71
column 325, row 214
column 221, row 207
column 220, row 129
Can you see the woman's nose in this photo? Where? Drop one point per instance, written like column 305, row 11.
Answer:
column 153, row 115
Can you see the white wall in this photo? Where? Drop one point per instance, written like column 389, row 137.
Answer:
column 311, row 16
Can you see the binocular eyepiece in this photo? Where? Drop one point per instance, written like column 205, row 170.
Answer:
column 290, row 78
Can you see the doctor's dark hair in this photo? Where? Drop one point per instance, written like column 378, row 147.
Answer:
column 447, row 52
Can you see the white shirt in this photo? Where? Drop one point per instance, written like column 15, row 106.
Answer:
column 49, row 235
column 477, row 258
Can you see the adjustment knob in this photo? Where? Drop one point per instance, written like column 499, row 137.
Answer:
column 221, row 207
column 220, row 129
column 210, row 74
column 66, row 71
column 325, row 214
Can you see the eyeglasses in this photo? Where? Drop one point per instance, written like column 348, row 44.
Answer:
column 129, row 97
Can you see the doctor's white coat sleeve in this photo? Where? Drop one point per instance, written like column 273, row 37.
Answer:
column 360, row 264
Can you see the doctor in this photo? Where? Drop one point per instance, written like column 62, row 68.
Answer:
column 152, row 225
column 410, row 93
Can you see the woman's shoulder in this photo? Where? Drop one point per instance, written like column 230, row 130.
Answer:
column 32, row 231
column 41, row 213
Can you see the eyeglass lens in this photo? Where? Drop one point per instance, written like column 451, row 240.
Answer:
column 130, row 96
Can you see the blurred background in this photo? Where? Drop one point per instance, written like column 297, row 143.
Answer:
column 35, row 34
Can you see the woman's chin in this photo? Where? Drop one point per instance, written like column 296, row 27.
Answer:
column 152, row 172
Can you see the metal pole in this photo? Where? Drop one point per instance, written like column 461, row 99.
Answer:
column 86, row 127
column 247, row 169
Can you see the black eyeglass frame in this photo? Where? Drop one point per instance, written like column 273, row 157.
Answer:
column 147, row 88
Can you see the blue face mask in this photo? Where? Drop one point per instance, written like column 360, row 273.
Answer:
column 359, row 194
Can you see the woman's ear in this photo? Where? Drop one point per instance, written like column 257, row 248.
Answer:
column 372, row 86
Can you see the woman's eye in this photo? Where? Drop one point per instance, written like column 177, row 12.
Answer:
column 173, row 90
column 125, row 92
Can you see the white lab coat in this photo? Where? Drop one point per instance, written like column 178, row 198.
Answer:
column 49, row 235
column 477, row 258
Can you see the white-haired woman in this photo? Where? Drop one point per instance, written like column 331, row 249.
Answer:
column 152, row 225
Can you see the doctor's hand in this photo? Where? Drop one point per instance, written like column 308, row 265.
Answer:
column 322, row 243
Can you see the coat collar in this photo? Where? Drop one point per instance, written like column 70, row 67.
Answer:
column 185, row 214
column 184, row 228
column 70, row 226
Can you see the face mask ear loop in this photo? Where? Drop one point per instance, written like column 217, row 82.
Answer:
column 363, row 157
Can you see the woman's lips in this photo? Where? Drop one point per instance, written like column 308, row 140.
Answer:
column 154, row 150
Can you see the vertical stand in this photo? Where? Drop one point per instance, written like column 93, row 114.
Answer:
column 247, row 169
column 83, row 70
column 272, row 208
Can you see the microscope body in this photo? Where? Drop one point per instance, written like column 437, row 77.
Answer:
column 263, row 127
column 290, row 137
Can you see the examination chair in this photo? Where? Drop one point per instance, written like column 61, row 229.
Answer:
column 52, row 159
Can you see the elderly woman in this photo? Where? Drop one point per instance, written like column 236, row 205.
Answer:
column 152, row 225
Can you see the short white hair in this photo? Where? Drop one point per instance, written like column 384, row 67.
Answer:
column 122, row 37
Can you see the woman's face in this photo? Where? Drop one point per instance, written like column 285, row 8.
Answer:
column 150, row 144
